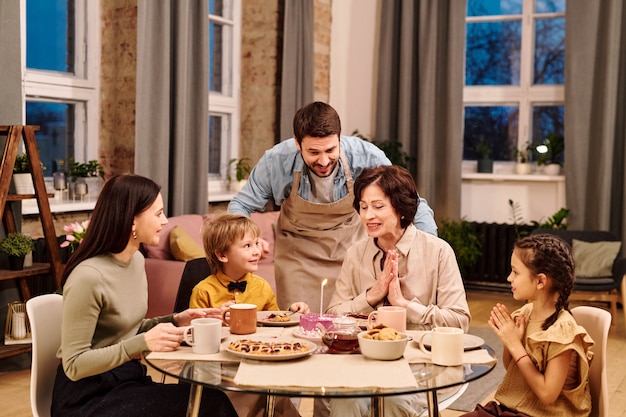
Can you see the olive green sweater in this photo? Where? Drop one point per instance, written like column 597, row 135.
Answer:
column 104, row 304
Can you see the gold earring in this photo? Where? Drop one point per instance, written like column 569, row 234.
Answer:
column 134, row 235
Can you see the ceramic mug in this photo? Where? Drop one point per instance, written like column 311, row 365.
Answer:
column 241, row 318
column 446, row 345
column 204, row 335
column 390, row 316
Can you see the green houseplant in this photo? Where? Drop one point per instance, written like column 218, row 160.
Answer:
column 522, row 157
column 242, row 170
column 16, row 246
column 460, row 234
column 22, row 166
column 550, row 153
column 90, row 172
column 485, row 163
column 22, row 177
column 90, row 169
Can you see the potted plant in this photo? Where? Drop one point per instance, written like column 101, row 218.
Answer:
column 242, row 169
column 522, row 158
column 91, row 173
column 465, row 241
column 22, row 177
column 485, row 163
column 16, row 246
column 550, row 154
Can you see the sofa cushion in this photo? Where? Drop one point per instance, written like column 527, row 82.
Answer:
column 594, row 259
column 183, row 247
column 191, row 223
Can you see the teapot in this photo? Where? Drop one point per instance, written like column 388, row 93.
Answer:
column 341, row 336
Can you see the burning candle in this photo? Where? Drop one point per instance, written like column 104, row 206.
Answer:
column 322, row 296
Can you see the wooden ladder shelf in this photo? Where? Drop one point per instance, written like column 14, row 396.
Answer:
column 54, row 268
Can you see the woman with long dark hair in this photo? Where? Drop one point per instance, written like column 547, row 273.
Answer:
column 104, row 331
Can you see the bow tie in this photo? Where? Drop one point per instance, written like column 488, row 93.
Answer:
column 241, row 286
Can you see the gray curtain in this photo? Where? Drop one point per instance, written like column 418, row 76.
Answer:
column 172, row 139
column 595, row 113
column 297, row 69
column 420, row 93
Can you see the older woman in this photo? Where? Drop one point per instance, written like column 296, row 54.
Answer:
column 397, row 265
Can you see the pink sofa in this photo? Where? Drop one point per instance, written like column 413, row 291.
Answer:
column 164, row 272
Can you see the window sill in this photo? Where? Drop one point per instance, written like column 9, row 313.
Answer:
column 60, row 206
column 512, row 177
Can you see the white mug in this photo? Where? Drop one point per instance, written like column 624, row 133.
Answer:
column 446, row 345
column 390, row 316
column 204, row 335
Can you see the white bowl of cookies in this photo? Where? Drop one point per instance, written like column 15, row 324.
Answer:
column 382, row 343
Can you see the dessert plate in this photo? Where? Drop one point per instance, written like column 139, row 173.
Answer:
column 266, row 318
column 311, row 347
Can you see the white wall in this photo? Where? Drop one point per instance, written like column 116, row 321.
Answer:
column 352, row 64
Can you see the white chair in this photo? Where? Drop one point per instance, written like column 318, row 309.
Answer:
column 597, row 322
column 44, row 313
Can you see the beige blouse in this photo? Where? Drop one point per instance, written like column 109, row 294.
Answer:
column 429, row 277
column 543, row 345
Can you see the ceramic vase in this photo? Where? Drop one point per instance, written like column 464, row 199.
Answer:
column 23, row 183
column 522, row 168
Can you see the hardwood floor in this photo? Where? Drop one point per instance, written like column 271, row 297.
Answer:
column 14, row 386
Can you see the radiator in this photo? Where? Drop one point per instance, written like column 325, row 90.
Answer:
column 494, row 266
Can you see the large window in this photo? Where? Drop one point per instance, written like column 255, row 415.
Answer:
column 514, row 74
column 61, row 78
column 224, row 22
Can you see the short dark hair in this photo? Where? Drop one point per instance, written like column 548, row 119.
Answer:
column 396, row 183
column 316, row 119
column 111, row 224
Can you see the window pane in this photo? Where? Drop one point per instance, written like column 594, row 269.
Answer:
column 495, row 124
column 56, row 136
column 50, row 35
column 222, row 8
column 216, row 57
column 493, row 7
column 215, row 144
column 547, row 120
column 550, row 6
column 492, row 54
column 549, row 51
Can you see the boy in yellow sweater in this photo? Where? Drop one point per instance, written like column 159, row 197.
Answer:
column 233, row 251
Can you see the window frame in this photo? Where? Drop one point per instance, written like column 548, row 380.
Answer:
column 526, row 95
column 228, row 104
column 84, row 86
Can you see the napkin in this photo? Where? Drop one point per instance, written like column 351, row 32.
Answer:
column 354, row 371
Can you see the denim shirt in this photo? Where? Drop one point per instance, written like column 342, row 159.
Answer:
column 271, row 178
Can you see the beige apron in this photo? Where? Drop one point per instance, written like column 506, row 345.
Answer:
column 311, row 242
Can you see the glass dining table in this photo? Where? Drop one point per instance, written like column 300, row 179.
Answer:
column 221, row 371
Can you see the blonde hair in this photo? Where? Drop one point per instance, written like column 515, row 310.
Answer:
column 220, row 232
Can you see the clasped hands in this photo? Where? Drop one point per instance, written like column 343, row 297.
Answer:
column 387, row 284
column 510, row 331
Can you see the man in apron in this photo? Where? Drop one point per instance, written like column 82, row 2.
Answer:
column 311, row 178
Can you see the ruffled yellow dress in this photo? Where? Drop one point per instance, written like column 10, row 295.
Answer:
column 543, row 345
